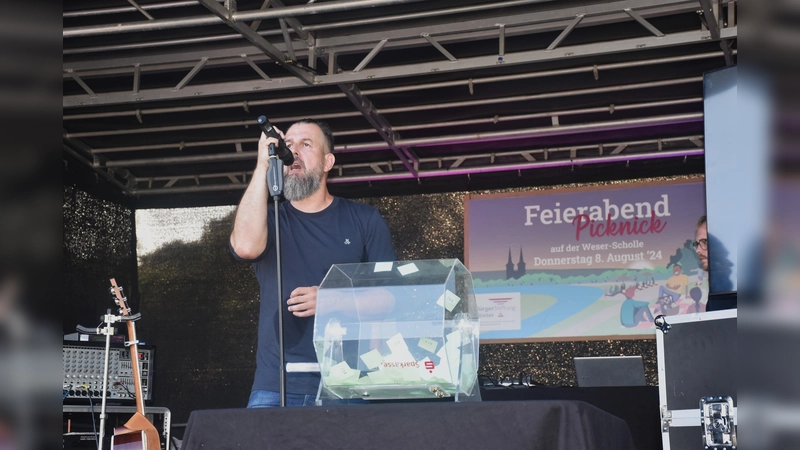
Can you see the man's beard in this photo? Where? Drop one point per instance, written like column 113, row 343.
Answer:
column 299, row 186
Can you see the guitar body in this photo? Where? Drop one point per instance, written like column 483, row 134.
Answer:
column 125, row 439
column 137, row 434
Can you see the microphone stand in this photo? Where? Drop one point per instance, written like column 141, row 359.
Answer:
column 108, row 330
column 275, row 186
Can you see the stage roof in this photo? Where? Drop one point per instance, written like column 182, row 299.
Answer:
column 160, row 97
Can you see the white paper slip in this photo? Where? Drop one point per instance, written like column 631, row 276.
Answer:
column 378, row 377
column 428, row 344
column 410, row 374
column 454, row 338
column 342, row 371
column 407, row 269
column 450, row 300
column 372, row 359
column 397, row 344
column 383, row 266
column 443, row 370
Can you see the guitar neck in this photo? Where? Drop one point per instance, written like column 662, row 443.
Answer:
column 149, row 434
column 137, row 376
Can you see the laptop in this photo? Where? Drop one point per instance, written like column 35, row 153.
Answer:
column 596, row 371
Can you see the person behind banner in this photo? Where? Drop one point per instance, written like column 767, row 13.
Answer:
column 317, row 231
column 676, row 285
column 700, row 244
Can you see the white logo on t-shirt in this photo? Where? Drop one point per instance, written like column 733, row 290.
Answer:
column 347, row 242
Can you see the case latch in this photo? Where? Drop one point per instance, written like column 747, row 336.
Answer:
column 666, row 419
column 716, row 418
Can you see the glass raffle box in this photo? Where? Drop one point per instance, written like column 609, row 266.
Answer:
column 397, row 330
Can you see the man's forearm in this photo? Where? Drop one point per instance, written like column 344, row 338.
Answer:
column 249, row 236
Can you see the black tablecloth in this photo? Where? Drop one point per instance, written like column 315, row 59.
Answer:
column 636, row 405
column 541, row 424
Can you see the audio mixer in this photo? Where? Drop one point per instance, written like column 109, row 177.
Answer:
column 83, row 371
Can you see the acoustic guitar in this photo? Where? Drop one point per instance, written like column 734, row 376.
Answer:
column 137, row 433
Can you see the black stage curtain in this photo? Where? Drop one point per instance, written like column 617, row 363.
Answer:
column 546, row 424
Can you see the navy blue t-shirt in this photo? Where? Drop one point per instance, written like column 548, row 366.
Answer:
column 344, row 232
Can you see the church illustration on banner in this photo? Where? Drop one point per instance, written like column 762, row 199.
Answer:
column 519, row 271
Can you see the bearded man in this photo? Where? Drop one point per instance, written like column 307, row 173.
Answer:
column 317, row 231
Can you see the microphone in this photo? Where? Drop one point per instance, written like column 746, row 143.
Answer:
column 281, row 151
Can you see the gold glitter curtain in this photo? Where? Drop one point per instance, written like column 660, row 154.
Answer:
column 97, row 246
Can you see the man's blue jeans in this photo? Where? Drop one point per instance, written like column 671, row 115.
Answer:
column 269, row 399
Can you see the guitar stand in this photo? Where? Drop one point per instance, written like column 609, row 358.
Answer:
column 107, row 330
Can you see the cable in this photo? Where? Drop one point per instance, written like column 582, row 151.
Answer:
column 120, row 383
column 66, row 391
column 91, row 407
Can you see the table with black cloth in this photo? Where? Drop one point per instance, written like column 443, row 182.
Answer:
column 636, row 405
column 545, row 424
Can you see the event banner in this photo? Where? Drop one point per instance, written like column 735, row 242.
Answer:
column 588, row 263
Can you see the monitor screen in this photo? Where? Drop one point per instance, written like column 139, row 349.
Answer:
column 733, row 178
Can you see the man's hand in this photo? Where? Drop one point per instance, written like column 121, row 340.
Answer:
column 263, row 148
column 303, row 301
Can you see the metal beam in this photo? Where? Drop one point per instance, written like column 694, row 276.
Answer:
column 566, row 32
column 375, row 119
column 527, row 155
column 711, row 19
column 453, row 139
column 257, row 23
column 191, row 74
column 370, row 55
column 238, row 17
column 243, row 156
column 456, row 31
column 257, row 40
column 127, row 9
column 525, row 57
column 294, row 23
column 552, row 131
column 256, row 68
column 439, row 47
column 539, row 20
column 81, row 83
column 557, row 94
column 643, row 22
column 421, row 126
column 137, row 73
column 399, row 71
column 725, row 45
column 494, row 79
column 139, row 8
column 97, row 170
column 85, row 156
column 206, row 107
column 502, row 40
column 287, row 40
column 451, row 171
